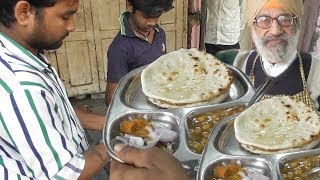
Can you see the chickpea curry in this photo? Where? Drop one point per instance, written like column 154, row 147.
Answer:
column 298, row 168
column 201, row 125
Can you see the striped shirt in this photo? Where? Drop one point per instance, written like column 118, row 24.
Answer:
column 40, row 135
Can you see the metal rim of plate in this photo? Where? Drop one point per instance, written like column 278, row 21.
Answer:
column 216, row 151
column 129, row 99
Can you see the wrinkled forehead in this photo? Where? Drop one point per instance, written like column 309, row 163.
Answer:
column 67, row 5
column 68, row 2
column 272, row 12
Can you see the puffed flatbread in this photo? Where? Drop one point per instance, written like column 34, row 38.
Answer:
column 184, row 78
column 164, row 104
column 257, row 150
column 278, row 125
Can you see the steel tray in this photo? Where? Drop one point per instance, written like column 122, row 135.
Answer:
column 129, row 100
column 130, row 91
column 223, row 146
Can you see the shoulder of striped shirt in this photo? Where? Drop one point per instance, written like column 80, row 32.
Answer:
column 38, row 85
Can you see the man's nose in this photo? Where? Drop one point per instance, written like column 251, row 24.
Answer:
column 152, row 21
column 70, row 25
column 275, row 28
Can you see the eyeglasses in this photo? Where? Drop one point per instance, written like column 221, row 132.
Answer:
column 265, row 22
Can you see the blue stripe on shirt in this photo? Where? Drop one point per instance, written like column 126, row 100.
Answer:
column 27, row 135
column 4, row 169
column 75, row 169
column 7, row 143
column 54, row 125
column 18, row 163
column 5, row 63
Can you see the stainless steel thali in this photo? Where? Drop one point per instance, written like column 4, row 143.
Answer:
column 129, row 100
column 223, row 147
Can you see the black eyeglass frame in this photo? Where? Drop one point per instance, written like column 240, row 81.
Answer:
column 275, row 18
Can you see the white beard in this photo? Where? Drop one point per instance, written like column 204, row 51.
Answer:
column 277, row 54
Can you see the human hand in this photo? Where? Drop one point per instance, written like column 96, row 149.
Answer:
column 145, row 164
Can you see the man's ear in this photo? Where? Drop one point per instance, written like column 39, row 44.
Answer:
column 22, row 12
column 129, row 7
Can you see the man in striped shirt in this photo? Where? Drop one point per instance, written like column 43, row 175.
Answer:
column 41, row 136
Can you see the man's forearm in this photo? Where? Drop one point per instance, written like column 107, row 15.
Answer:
column 90, row 121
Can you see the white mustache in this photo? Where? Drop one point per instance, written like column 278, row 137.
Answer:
column 282, row 37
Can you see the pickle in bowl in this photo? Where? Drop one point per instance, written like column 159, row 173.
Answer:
column 238, row 169
column 145, row 130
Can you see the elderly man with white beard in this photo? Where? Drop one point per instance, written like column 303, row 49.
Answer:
column 273, row 27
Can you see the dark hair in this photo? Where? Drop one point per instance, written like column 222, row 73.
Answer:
column 151, row 8
column 7, row 6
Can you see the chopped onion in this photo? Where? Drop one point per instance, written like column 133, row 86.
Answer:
column 121, row 139
column 145, row 117
column 239, row 163
column 154, row 139
column 136, row 141
column 149, row 129
column 157, row 125
column 166, row 135
column 242, row 174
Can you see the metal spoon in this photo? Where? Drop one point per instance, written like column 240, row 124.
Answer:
column 314, row 174
column 261, row 91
